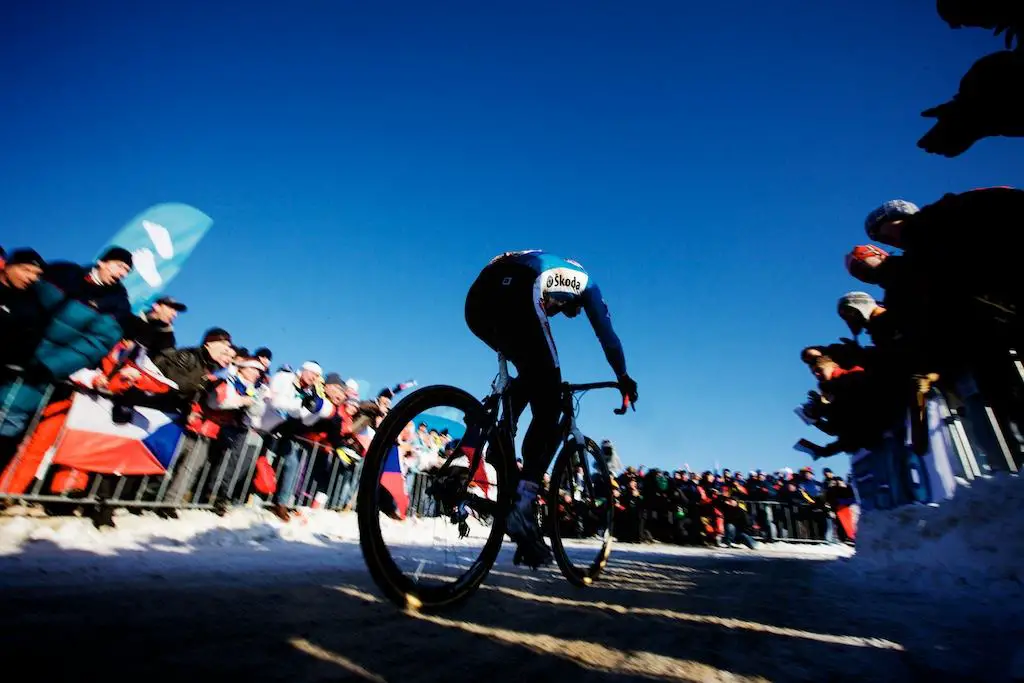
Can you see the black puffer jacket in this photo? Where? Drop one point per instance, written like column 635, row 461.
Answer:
column 157, row 337
column 76, row 284
column 190, row 369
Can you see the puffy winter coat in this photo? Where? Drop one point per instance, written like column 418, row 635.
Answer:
column 75, row 336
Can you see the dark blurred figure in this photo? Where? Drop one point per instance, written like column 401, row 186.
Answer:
column 629, row 520
column 995, row 15
column 990, row 103
column 737, row 527
column 21, row 313
column 814, row 511
column 840, row 496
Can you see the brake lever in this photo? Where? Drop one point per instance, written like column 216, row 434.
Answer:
column 626, row 403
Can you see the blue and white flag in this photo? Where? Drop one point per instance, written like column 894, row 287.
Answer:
column 161, row 239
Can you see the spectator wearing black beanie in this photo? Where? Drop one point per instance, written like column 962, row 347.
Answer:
column 191, row 369
column 98, row 285
column 264, row 355
column 22, row 317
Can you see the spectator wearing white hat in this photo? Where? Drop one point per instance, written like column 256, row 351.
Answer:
column 235, row 403
column 297, row 400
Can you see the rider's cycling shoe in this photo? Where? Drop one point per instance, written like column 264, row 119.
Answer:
column 532, row 558
column 521, row 527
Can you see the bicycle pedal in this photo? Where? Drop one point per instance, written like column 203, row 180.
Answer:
column 519, row 560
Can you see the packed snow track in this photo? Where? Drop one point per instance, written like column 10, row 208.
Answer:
column 246, row 598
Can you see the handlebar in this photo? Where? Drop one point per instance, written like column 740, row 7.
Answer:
column 576, row 388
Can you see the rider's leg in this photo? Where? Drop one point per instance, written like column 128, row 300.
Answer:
column 542, row 437
column 539, row 382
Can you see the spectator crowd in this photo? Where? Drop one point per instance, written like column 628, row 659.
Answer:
column 947, row 327
column 68, row 329
column 715, row 509
column 948, row 319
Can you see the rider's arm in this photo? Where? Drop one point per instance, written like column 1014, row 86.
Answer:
column 601, row 321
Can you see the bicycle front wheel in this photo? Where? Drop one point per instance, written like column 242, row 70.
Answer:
column 581, row 509
column 429, row 542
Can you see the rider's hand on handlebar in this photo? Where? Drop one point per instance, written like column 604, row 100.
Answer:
column 627, row 385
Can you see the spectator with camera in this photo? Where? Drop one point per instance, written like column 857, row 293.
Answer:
column 234, row 403
column 297, row 401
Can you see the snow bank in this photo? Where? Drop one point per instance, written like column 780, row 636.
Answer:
column 254, row 529
column 199, row 529
column 250, row 545
column 974, row 541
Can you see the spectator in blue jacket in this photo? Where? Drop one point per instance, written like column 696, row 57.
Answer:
column 810, row 486
column 818, row 515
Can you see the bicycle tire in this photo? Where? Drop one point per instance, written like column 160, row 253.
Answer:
column 390, row 579
column 575, row 575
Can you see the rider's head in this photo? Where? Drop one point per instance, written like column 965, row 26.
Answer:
column 856, row 309
column 885, row 223
column 864, row 262
column 823, row 368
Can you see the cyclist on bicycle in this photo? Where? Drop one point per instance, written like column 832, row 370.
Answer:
column 508, row 307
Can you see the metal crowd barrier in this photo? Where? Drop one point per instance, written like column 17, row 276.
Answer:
column 202, row 469
column 790, row 522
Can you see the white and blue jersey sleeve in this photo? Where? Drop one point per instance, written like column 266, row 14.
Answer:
column 601, row 321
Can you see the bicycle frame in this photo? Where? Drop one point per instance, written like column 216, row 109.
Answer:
column 571, row 431
column 500, row 430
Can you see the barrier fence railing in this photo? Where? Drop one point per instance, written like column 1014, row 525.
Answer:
column 200, row 472
column 772, row 520
column 792, row 522
column 203, row 471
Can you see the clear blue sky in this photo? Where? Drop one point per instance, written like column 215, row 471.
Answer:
column 362, row 161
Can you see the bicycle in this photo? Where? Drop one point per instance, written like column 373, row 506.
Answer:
column 456, row 492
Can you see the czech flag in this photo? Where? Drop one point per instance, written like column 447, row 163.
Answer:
column 483, row 478
column 142, row 441
column 393, row 481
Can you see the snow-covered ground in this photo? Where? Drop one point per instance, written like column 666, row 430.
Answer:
column 37, row 550
column 973, row 543
column 247, row 597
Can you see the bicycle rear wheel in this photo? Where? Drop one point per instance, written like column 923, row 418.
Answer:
column 581, row 505
column 408, row 558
